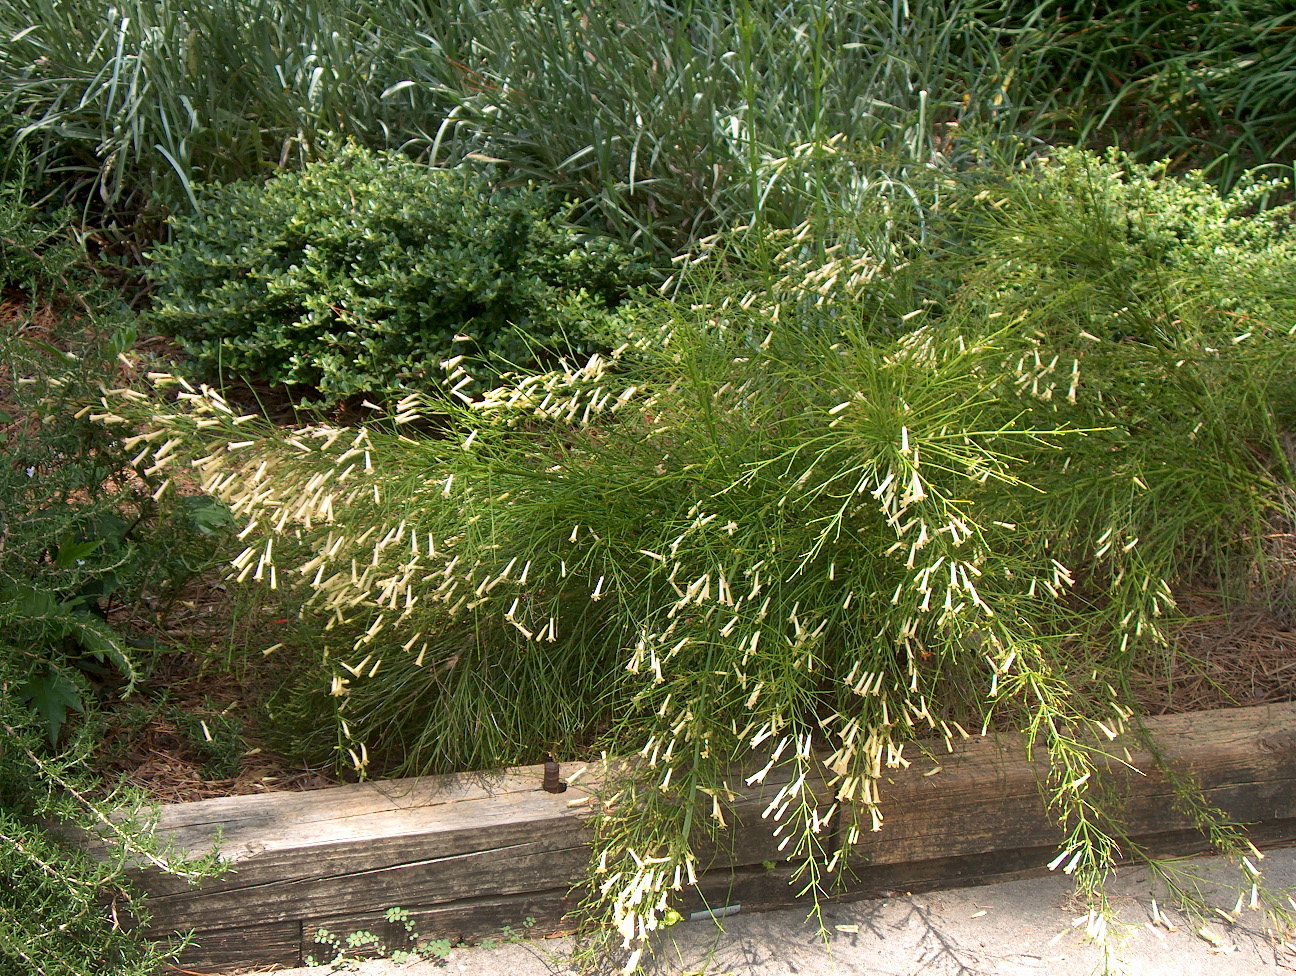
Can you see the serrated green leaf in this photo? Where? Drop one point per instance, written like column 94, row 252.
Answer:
column 27, row 601
column 71, row 553
column 103, row 643
column 108, row 527
column 51, row 695
column 206, row 514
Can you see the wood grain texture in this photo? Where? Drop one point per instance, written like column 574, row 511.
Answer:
column 363, row 852
column 219, row 950
column 757, row 888
column 470, row 920
column 467, row 855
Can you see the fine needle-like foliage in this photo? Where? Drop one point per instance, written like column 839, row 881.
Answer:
column 79, row 531
column 785, row 530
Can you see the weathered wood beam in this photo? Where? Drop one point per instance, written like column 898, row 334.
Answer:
column 469, row 855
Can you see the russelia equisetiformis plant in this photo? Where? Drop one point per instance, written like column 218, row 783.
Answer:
column 780, row 533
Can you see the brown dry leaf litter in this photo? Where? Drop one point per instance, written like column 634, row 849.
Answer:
column 1222, row 660
column 145, row 746
column 161, row 759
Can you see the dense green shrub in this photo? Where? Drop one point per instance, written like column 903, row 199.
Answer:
column 360, row 274
column 82, row 530
column 789, row 516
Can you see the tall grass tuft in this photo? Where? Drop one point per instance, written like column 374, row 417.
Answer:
column 667, row 121
column 674, row 120
column 128, row 104
column 1206, row 84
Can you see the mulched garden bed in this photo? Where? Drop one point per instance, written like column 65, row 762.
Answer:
column 1222, row 660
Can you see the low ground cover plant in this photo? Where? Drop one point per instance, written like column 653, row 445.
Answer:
column 784, row 519
column 359, row 274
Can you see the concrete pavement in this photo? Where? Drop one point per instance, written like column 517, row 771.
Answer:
column 1019, row 928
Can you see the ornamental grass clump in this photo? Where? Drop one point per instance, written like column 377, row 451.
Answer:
column 665, row 121
column 127, row 106
column 781, row 531
column 1202, row 84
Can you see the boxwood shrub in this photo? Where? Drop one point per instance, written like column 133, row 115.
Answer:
column 359, row 273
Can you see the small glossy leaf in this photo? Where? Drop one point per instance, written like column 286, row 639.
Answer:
column 122, row 340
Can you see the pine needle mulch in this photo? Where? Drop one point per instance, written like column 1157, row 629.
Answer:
column 1223, row 659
